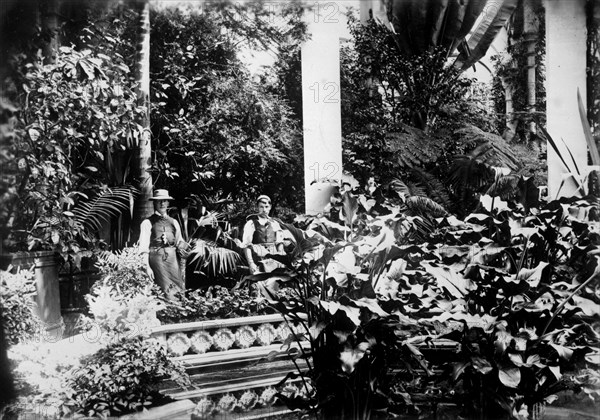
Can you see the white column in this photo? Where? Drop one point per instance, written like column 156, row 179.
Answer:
column 565, row 73
column 321, row 106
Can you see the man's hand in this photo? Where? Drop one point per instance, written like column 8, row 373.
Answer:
column 150, row 272
column 253, row 268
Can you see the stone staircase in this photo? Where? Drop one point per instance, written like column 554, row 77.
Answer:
column 234, row 365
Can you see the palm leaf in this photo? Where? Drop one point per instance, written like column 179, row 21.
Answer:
column 106, row 205
column 554, row 146
column 495, row 15
column 214, row 259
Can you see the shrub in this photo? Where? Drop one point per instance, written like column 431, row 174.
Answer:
column 16, row 304
column 125, row 300
column 121, row 378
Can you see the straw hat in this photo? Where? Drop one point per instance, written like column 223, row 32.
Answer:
column 161, row 195
column 264, row 198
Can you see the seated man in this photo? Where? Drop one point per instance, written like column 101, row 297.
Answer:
column 262, row 235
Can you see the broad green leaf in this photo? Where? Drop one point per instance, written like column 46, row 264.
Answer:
column 456, row 284
column 534, row 275
column 350, row 356
column 353, row 313
column 370, row 304
column 556, row 372
column 563, row 352
column 510, row 377
column 331, row 307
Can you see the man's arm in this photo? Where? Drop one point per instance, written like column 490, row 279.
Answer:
column 247, row 245
column 144, row 244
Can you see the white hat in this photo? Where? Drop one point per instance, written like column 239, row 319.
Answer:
column 263, row 198
column 161, row 195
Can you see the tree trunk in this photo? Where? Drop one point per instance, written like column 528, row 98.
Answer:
column 143, row 154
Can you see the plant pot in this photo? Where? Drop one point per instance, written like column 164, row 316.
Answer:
column 47, row 299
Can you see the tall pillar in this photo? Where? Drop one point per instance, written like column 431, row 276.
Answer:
column 565, row 73
column 321, row 105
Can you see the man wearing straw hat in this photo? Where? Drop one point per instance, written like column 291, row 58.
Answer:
column 159, row 237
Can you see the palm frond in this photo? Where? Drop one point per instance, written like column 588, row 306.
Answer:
column 213, row 260
column 109, row 203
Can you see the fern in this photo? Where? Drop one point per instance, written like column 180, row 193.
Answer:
column 412, row 147
column 489, row 148
column 469, row 174
column 432, row 186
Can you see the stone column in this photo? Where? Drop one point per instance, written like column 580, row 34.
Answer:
column 565, row 73
column 321, row 105
column 530, row 35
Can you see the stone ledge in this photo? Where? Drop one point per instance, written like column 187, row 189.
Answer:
column 181, row 409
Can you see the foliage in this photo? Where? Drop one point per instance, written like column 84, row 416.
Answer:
column 40, row 368
column 410, row 118
column 121, row 378
column 124, row 302
column 413, row 89
column 514, row 289
column 206, row 104
column 216, row 302
column 73, row 121
column 73, row 114
column 354, row 345
column 17, row 304
column 124, row 271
